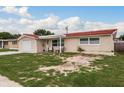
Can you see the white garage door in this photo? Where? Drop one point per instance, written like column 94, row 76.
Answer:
column 26, row 46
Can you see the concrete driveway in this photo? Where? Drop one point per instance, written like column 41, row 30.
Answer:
column 5, row 82
column 9, row 52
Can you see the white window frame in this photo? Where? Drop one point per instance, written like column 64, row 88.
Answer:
column 89, row 41
column 86, row 38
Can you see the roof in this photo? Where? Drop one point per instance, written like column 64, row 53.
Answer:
column 30, row 36
column 89, row 33
column 8, row 39
column 51, row 36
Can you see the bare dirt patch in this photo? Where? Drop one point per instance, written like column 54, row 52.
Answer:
column 72, row 64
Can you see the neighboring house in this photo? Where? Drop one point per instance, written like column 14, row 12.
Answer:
column 92, row 41
column 9, row 43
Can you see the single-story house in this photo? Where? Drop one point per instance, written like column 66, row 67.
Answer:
column 90, row 41
column 9, row 43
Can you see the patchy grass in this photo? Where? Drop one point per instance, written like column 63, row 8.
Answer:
column 6, row 50
column 22, row 68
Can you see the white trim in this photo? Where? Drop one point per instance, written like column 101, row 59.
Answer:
column 112, row 35
column 89, row 41
column 60, row 42
column 84, row 38
column 114, row 32
column 25, row 36
column 51, row 36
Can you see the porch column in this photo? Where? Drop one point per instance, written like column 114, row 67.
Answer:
column 2, row 43
column 60, row 42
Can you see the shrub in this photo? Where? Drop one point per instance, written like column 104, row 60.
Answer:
column 80, row 49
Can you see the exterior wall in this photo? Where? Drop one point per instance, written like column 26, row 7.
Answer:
column 6, row 46
column 10, row 45
column 33, row 44
column 71, row 44
column 39, row 46
column 44, row 45
column 106, row 45
column 47, row 44
column 50, row 44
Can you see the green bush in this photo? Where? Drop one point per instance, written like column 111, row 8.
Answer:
column 80, row 49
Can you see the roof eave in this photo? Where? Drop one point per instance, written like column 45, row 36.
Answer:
column 90, row 35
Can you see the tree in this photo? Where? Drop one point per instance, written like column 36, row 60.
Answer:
column 42, row 32
column 15, row 36
column 121, row 37
column 7, row 35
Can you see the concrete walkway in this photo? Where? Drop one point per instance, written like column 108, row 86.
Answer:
column 5, row 82
column 9, row 52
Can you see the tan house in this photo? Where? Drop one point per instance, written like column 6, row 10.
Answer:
column 90, row 41
column 9, row 43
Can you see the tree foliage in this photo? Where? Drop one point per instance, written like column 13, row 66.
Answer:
column 121, row 37
column 7, row 35
column 42, row 32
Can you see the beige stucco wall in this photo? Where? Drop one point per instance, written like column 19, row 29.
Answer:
column 44, row 45
column 11, row 46
column 6, row 46
column 106, row 45
column 39, row 46
column 33, row 44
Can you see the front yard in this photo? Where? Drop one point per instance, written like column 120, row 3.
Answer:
column 41, row 70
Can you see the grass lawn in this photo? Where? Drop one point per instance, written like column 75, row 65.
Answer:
column 22, row 68
column 6, row 50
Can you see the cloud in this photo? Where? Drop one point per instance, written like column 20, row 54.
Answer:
column 73, row 23
column 24, row 21
column 55, row 24
column 22, row 11
column 47, row 23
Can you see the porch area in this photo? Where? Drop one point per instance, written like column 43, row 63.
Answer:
column 53, row 43
column 3, row 43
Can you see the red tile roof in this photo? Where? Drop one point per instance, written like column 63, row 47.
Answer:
column 31, row 35
column 97, row 32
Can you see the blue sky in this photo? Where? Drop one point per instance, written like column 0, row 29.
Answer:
column 104, row 14
column 89, row 17
column 109, row 14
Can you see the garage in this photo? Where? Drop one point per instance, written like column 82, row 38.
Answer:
column 28, row 43
column 26, row 46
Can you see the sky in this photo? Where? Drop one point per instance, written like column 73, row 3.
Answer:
column 78, row 18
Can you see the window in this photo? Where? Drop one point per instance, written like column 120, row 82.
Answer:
column 90, row 40
column 54, row 42
column 57, row 42
column 84, row 41
column 14, row 42
column 94, row 40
